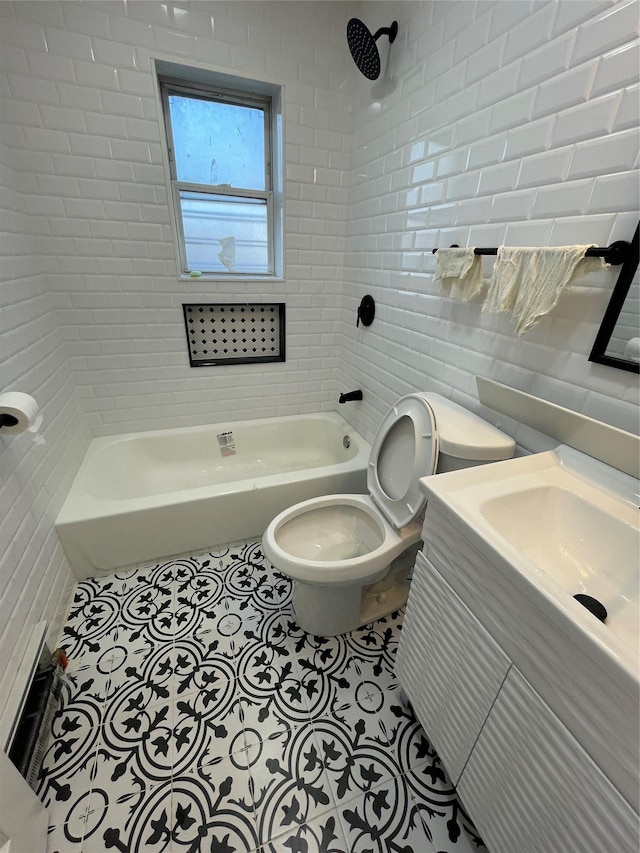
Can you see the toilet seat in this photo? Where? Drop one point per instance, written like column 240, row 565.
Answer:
column 350, row 556
column 304, row 523
column 405, row 449
column 305, row 541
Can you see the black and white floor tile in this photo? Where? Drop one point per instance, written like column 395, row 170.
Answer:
column 197, row 717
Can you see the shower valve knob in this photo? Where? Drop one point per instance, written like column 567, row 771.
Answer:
column 366, row 311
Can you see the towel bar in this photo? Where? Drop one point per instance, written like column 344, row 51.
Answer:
column 614, row 254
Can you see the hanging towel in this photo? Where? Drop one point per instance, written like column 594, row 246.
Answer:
column 459, row 272
column 528, row 282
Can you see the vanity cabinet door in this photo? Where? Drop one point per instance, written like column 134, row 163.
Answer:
column 448, row 665
column 530, row 786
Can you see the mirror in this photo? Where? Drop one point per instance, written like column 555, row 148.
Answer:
column 617, row 344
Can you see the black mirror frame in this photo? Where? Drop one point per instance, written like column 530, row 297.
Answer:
column 598, row 351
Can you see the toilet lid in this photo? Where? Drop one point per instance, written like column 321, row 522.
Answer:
column 404, row 450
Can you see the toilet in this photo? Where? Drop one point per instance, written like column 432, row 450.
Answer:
column 351, row 556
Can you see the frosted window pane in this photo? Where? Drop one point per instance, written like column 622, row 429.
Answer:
column 218, row 143
column 225, row 234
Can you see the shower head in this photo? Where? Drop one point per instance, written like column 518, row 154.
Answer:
column 363, row 46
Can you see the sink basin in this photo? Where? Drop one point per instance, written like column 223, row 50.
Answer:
column 516, row 540
column 581, row 546
column 567, row 524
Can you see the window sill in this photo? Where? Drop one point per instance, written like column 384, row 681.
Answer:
column 228, row 279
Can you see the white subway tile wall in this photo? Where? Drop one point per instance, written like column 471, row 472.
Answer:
column 92, row 144
column 510, row 121
column 92, row 321
column 531, row 139
column 34, row 578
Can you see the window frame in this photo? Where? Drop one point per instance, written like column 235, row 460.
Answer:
column 220, row 94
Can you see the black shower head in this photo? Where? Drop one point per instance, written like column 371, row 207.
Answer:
column 363, row 46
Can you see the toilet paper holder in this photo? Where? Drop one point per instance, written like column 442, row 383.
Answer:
column 19, row 413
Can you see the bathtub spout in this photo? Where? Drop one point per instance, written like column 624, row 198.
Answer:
column 350, row 395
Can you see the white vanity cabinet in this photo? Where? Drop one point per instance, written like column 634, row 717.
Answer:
column 529, row 786
column 449, row 666
column 526, row 782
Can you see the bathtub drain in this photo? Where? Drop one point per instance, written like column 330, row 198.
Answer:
column 593, row 605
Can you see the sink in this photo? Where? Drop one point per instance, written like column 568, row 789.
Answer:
column 516, row 540
column 579, row 545
column 566, row 524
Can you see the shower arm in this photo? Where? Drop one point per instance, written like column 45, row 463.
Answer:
column 391, row 31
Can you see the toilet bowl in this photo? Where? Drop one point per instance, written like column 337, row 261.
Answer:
column 350, row 556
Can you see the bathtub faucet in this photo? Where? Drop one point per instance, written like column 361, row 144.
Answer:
column 350, row 395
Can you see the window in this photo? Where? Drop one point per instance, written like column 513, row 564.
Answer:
column 220, row 159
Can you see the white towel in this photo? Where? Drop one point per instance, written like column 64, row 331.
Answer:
column 459, row 272
column 529, row 282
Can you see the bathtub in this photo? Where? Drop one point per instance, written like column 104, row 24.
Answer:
column 147, row 496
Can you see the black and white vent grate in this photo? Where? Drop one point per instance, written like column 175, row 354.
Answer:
column 235, row 333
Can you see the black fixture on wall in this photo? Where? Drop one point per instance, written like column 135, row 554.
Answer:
column 350, row 396
column 615, row 254
column 626, row 276
column 366, row 311
column 363, row 47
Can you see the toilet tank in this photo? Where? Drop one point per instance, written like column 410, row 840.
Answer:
column 465, row 439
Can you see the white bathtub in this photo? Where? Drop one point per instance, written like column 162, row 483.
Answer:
column 150, row 495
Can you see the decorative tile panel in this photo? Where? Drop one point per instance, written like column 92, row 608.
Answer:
column 234, row 333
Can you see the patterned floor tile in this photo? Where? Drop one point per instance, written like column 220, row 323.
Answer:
column 137, row 819
column 140, row 679
column 148, row 610
column 127, row 580
column 445, row 820
column 108, row 652
column 333, row 668
column 404, row 735
column 247, row 577
column 324, row 664
column 323, row 835
column 427, row 781
column 198, row 595
column 265, row 722
column 89, row 683
column 92, row 620
column 269, row 679
column 290, row 784
column 351, row 752
column 212, row 809
column 69, row 763
column 229, row 621
column 116, row 643
column 374, row 647
column 137, row 740
column 197, row 717
column 266, row 648
column 67, row 826
column 212, row 642
column 68, row 814
column 275, row 626
column 202, row 664
column 207, row 725
column 385, row 820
